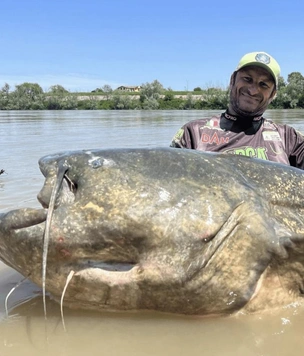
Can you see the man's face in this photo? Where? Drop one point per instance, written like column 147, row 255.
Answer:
column 251, row 90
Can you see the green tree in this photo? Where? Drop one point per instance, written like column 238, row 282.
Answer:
column 28, row 96
column 31, row 90
column 97, row 90
column 90, row 103
column 288, row 96
column 107, row 88
column 150, row 94
column 296, row 79
column 189, row 103
column 295, row 84
column 120, row 102
column 69, row 102
column 169, row 96
column 58, row 90
column 215, row 98
column 5, row 97
column 53, row 103
column 281, row 83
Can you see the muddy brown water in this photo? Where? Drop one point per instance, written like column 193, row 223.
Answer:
column 26, row 136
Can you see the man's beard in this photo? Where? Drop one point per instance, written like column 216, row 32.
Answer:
column 233, row 104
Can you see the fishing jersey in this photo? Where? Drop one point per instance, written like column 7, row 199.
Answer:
column 264, row 139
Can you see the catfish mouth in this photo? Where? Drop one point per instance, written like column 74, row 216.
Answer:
column 106, row 266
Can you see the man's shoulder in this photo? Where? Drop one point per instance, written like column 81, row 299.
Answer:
column 283, row 129
column 202, row 121
column 268, row 123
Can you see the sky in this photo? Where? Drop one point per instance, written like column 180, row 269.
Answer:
column 86, row 44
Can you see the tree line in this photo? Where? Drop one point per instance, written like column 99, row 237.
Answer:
column 152, row 96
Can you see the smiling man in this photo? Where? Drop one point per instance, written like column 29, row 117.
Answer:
column 242, row 129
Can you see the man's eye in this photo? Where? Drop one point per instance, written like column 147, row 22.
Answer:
column 247, row 79
column 264, row 85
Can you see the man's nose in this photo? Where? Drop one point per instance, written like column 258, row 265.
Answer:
column 253, row 89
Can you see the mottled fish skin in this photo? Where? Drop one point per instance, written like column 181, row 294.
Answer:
column 164, row 229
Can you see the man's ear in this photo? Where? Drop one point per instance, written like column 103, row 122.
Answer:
column 273, row 95
column 232, row 80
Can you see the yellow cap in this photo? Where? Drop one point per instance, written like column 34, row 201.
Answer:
column 261, row 59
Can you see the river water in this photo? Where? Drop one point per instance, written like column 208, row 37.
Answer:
column 25, row 136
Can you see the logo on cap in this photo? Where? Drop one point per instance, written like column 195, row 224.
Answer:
column 263, row 58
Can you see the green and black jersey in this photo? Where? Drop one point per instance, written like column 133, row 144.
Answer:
column 261, row 138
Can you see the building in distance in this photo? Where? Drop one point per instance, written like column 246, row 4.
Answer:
column 129, row 88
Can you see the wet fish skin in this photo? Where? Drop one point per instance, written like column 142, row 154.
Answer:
column 164, row 229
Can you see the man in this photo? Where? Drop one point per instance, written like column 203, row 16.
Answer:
column 242, row 129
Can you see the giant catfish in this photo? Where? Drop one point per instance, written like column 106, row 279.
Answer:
column 163, row 229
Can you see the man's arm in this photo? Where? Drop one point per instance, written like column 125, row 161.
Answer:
column 294, row 146
column 188, row 136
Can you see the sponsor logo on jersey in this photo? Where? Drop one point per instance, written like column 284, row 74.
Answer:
column 255, row 152
column 212, row 124
column 214, row 139
column 271, row 136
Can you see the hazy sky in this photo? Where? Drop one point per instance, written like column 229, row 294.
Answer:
column 86, row 44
